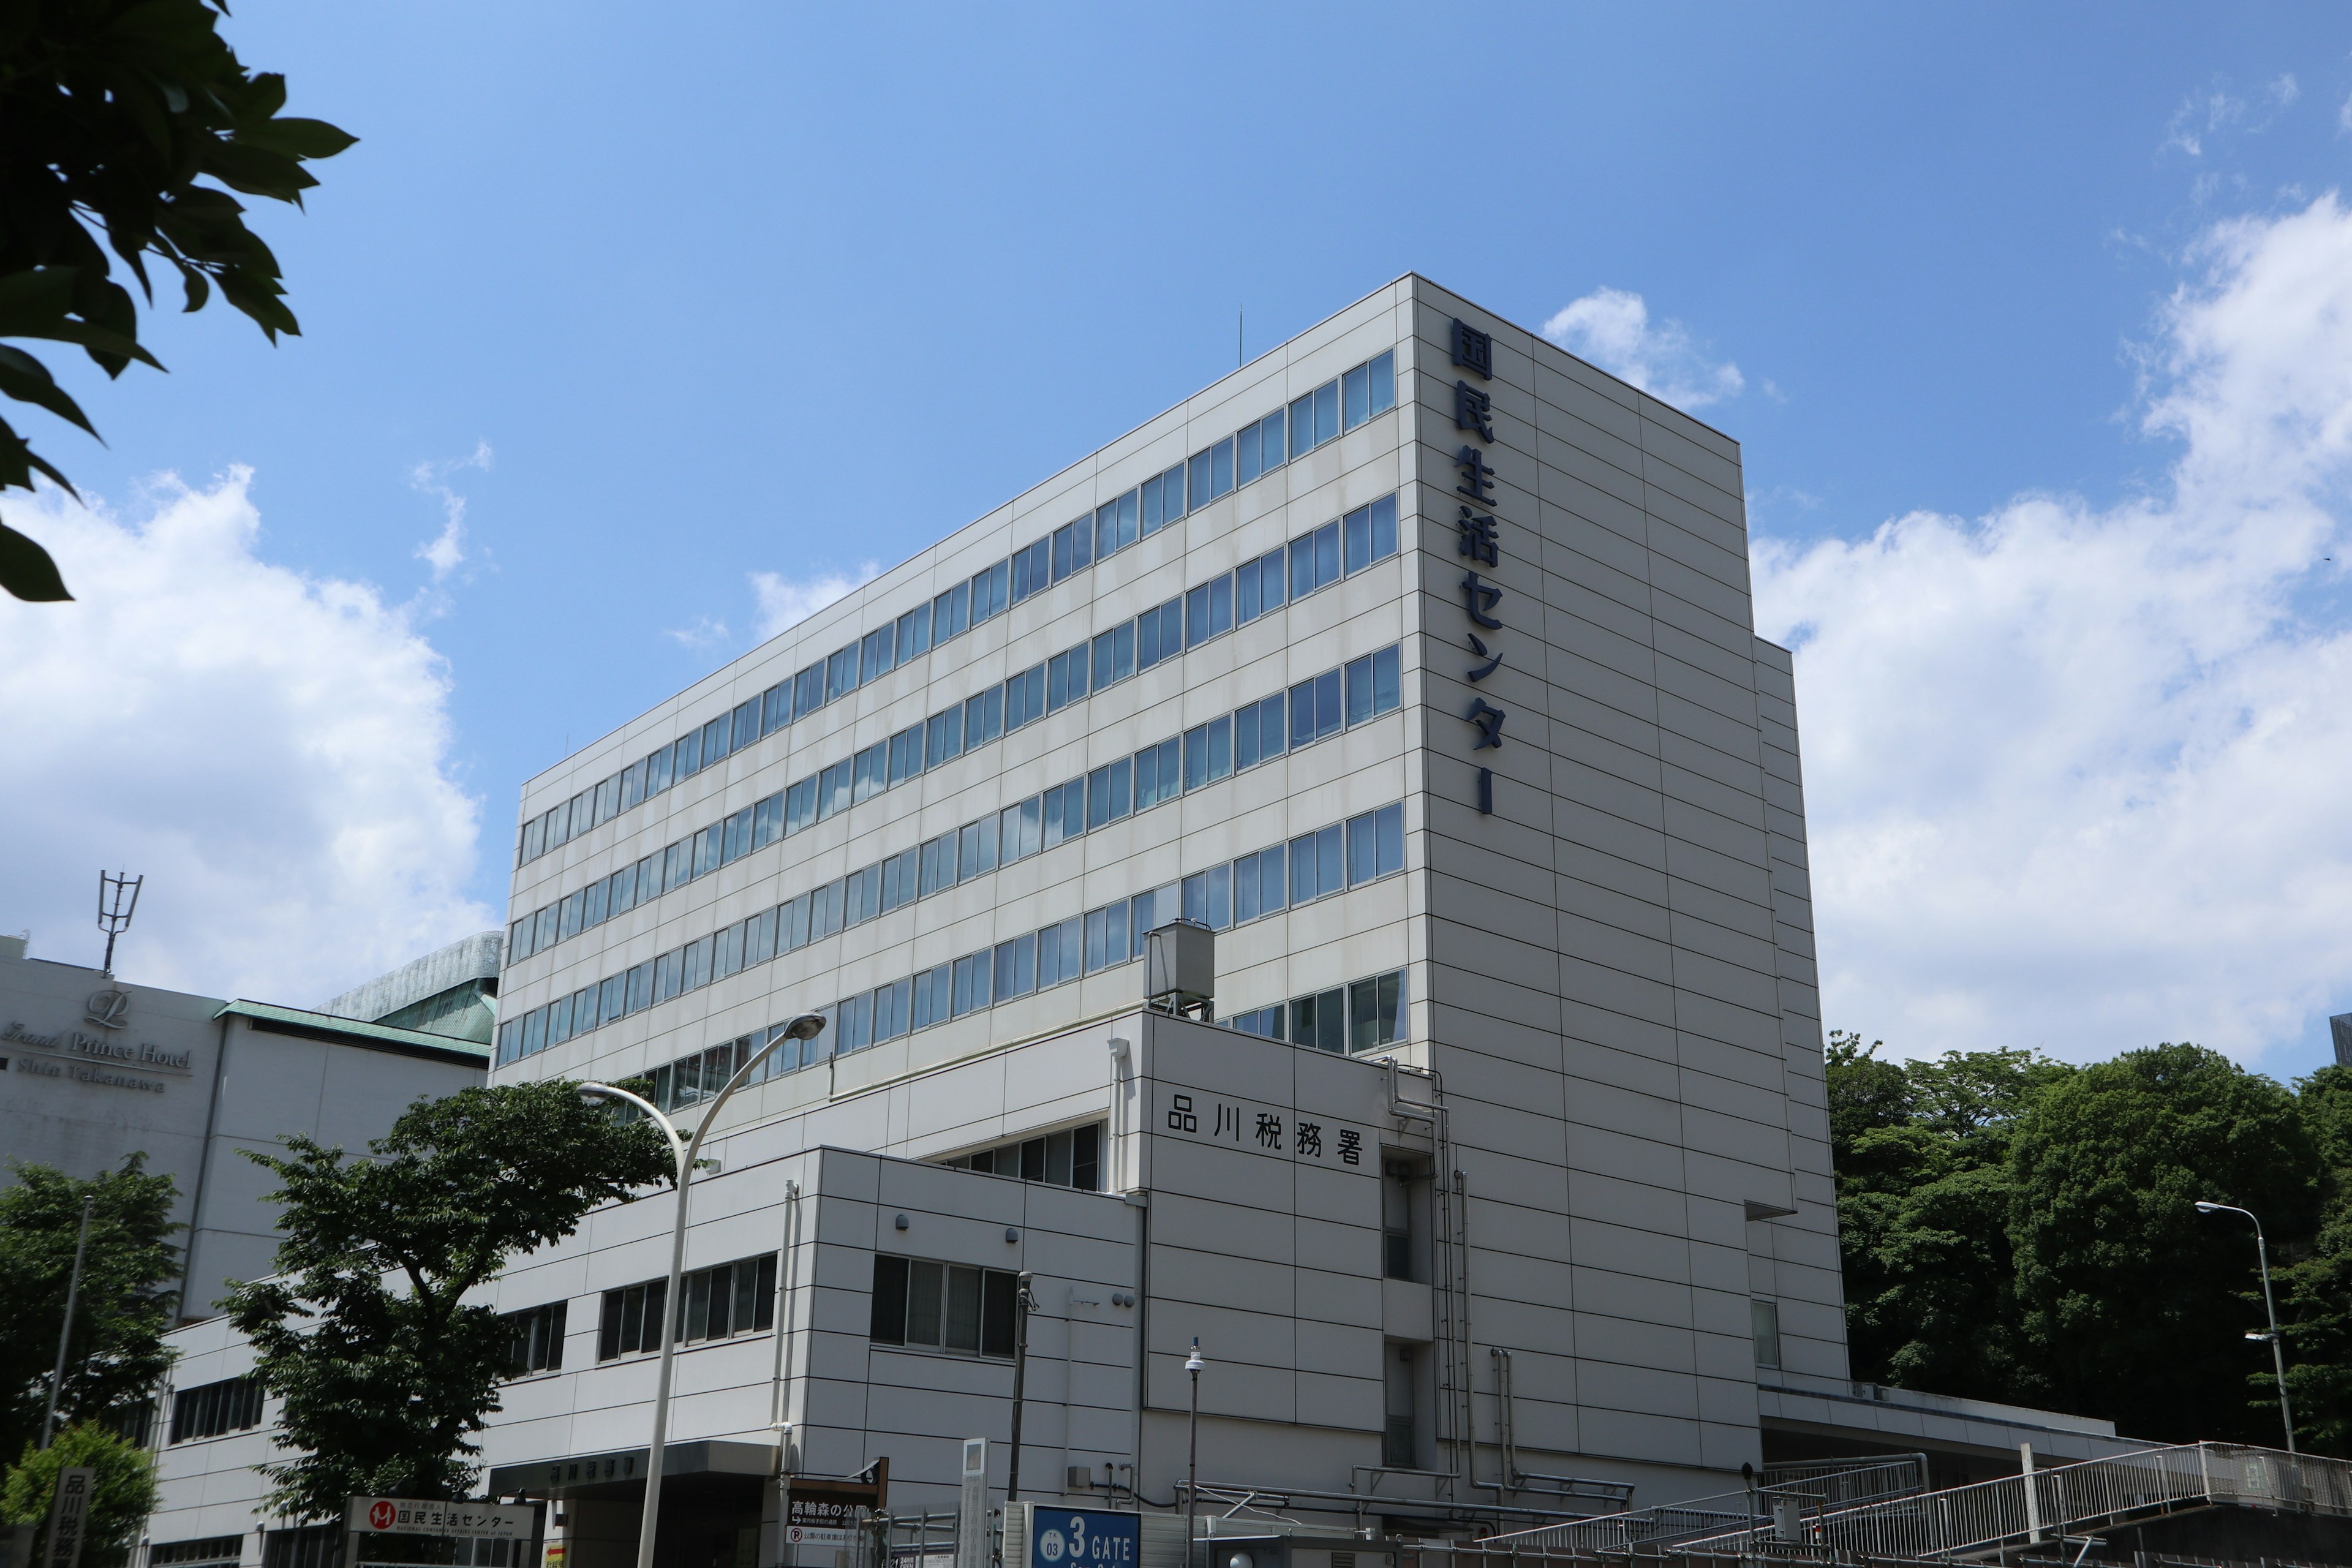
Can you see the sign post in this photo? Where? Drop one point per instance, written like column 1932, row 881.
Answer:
column 69, row 1516
column 819, row 1511
column 365, row 1517
column 971, row 1507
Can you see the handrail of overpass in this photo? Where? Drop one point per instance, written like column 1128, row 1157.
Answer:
column 1825, row 1485
column 2052, row 1504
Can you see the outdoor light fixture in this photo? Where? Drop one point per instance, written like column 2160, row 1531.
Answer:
column 2278, row 1350
column 1192, row 1364
column 806, row 1027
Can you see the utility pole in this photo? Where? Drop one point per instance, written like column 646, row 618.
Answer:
column 73, row 1296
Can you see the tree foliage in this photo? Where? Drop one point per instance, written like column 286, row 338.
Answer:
column 122, row 1489
column 2018, row 1229
column 1921, row 1151
column 116, row 1354
column 116, row 113
column 385, row 1371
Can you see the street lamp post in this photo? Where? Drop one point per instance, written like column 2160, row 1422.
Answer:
column 807, row 1027
column 73, row 1296
column 1192, row 1364
column 2278, row 1353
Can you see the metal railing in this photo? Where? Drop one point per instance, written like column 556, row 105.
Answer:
column 1823, row 1485
column 2067, row 1500
column 1847, row 1483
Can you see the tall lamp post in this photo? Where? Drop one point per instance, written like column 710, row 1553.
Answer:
column 1192, row 1364
column 807, row 1027
column 2278, row 1353
column 73, row 1296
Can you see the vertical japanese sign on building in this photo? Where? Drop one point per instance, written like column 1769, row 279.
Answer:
column 69, row 1517
column 1479, row 541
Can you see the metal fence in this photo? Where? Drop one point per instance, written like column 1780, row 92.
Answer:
column 2069, row 1498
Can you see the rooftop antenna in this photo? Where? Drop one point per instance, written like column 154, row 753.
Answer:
column 118, row 896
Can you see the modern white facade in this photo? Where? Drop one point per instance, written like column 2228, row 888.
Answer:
column 1415, row 657
column 94, row 1068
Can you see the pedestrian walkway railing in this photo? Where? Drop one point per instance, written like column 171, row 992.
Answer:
column 1823, row 1485
column 2051, row 1504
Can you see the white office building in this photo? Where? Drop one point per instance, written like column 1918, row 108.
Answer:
column 1414, row 658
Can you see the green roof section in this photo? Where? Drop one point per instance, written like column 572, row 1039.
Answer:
column 360, row 1034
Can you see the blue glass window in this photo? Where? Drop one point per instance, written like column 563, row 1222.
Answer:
column 1066, row 678
column 1371, row 534
column 1160, row 634
column 1114, row 655
column 914, row 632
column 1258, row 587
column 1208, row 611
column 945, row 732
column 1031, row 569
column 1074, row 544
column 1115, row 525
column 950, row 612
column 983, row 717
column 1109, row 793
column 878, row 653
column 1025, row 698
column 1163, row 501
column 1157, row 775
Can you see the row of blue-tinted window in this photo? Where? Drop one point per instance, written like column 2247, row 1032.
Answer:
column 1260, row 447
column 1298, row 872
column 1308, row 712
column 1312, row 561
column 1363, row 1016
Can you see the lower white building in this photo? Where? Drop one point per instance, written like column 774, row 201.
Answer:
column 1415, row 660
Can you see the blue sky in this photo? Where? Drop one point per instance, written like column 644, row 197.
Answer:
column 663, row 298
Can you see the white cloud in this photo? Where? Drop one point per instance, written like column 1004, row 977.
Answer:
column 2344, row 116
column 269, row 749
column 2076, row 773
column 2203, row 116
column 1612, row 327
column 787, row 601
column 446, row 551
column 706, row 632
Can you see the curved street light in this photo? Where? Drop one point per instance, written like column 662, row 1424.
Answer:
column 2278, row 1355
column 807, row 1027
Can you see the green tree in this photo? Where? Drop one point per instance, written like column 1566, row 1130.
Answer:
column 116, row 1354
column 1924, row 1196
column 116, row 112
column 2136, row 1304
column 384, row 1371
column 2316, row 1288
column 123, row 1491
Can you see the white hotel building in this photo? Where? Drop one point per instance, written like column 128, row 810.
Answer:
column 1415, row 658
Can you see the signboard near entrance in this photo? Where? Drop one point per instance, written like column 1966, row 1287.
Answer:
column 1084, row 1538
column 423, row 1516
column 825, row 1512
